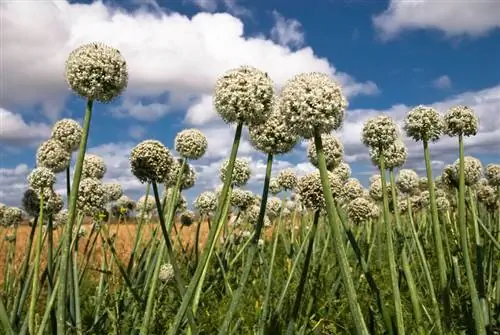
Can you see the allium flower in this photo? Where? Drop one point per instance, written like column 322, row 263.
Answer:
column 375, row 190
column 3, row 208
column 274, row 186
column 343, row 170
column 68, row 132
column 41, row 178
column 91, row 197
column 252, row 215
column 312, row 101
column 351, row 189
column 96, row 72
column 332, row 149
column 206, row 203
column 125, row 202
column 394, row 156
column 146, row 203
column 360, row 210
column 379, row 132
column 244, row 94
column 188, row 175
column 472, row 170
column 486, row 194
column 151, row 161
column 402, row 204
column 166, row 273
column 407, row 181
column 12, row 216
column 424, row 123
column 191, row 143
column 241, row 199
column 52, row 155
column 52, row 202
column 181, row 200
column 273, row 207
column 273, row 136
column 442, row 204
column 187, row 218
column 60, row 218
column 423, row 184
column 310, row 189
column 492, row 173
column 461, row 120
column 287, row 179
column 93, row 167
column 425, row 199
column 113, row 191
column 241, row 171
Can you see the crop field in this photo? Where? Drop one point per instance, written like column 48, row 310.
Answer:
column 317, row 253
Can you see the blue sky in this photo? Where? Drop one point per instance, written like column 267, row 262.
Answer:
column 388, row 56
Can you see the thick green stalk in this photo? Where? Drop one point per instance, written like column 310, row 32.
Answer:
column 138, row 234
column 400, row 326
column 212, row 236
column 251, row 252
column 66, row 252
column 338, row 242
column 476, row 307
column 412, row 287
column 36, row 272
column 395, row 199
column 4, row 320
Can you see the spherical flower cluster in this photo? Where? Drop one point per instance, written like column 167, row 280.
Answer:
column 252, row 215
column 461, row 120
column 423, row 184
column 146, row 204
column 287, row 179
column 181, row 200
column 351, row 189
column 486, row 194
column 206, row 203
column 274, row 186
column 68, row 132
column 125, row 202
column 151, row 161
column 244, row 94
column 188, row 178
column 424, row 123
column 60, row 218
column 407, row 181
column 41, row 178
column 93, row 167
column 113, row 191
column 394, row 156
column 310, row 189
column 191, row 143
column 241, row 171
column 241, row 199
column 52, row 202
column 52, row 155
column 343, row 170
column 96, row 71
column 273, row 136
column 379, row 132
column 290, row 205
column 442, row 204
column 12, row 216
column 472, row 170
column 375, row 190
column 425, row 199
column 403, row 204
column 187, row 218
column 3, row 207
column 91, row 197
column 312, row 102
column 181, row 204
column 332, row 149
column 360, row 210
column 273, row 207
column 166, row 273
column 492, row 173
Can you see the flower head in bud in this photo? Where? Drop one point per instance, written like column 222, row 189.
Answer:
column 241, row 199
column 206, row 203
column 287, row 179
column 151, row 161
column 461, row 120
column 187, row 218
column 244, row 94
column 407, row 181
column 394, row 156
column 146, row 204
column 93, row 167
column 52, row 202
column 41, row 178
column 91, row 197
column 113, row 191
column 360, row 210
column 492, row 173
column 68, row 132
column 379, row 132
column 273, row 136
column 52, row 155
column 12, row 216
column 343, row 170
column 424, row 123
column 191, row 143
column 273, row 207
column 332, row 149
column 241, row 171
column 274, row 186
column 312, row 102
column 166, row 273
column 351, row 190
column 96, row 71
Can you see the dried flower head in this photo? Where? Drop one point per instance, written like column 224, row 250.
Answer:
column 273, row 136
column 41, row 178
column 379, row 132
column 244, row 94
column 52, row 155
column 395, row 155
column 191, row 143
column 424, row 123
column 206, row 203
column 332, row 149
column 91, row 197
column 461, row 120
column 312, row 102
column 287, row 179
column 241, row 171
column 93, row 167
column 68, row 132
column 151, row 161
column 96, row 71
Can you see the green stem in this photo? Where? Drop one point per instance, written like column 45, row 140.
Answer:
column 36, row 272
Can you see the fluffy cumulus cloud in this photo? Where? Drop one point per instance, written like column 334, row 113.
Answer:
column 15, row 131
column 166, row 53
column 442, row 82
column 287, row 32
column 453, row 18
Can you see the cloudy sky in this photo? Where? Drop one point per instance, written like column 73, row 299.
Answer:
column 388, row 55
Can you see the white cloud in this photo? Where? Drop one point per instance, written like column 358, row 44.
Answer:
column 232, row 6
column 12, row 184
column 453, row 18
column 137, row 131
column 141, row 111
column 14, row 131
column 443, row 82
column 165, row 52
column 287, row 32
